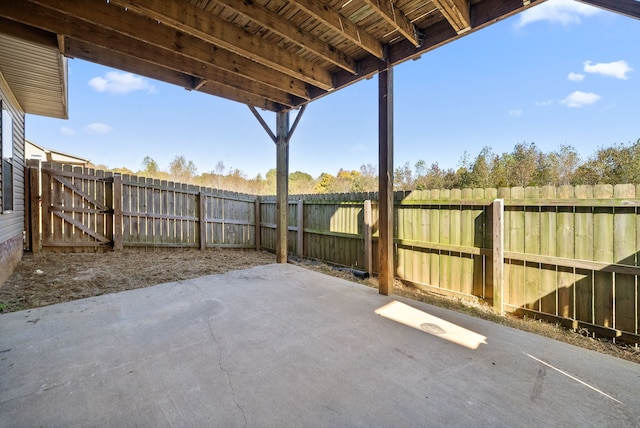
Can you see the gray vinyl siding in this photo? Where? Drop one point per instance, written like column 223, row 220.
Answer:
column 12, row 223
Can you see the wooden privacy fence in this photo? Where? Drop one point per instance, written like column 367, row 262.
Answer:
column 566, row 253
column 83, row 209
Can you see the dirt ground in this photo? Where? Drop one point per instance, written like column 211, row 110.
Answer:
column 49, row 278
column 46, row 279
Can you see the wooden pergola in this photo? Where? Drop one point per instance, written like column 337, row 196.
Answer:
column 276, row 55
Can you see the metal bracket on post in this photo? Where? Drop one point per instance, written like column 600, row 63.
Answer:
column 281, row 138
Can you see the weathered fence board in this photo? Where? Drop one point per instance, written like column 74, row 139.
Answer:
column 603, row 252
column 624, row 252
column 584, row 251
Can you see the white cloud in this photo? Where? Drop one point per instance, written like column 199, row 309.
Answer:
column 98, row 128
column 515, row 112
column 116, row 82
column 575, row 77
column 545, row 103
column 617, row 69
column 67, row 132
column 579, row 99
column 564, row 12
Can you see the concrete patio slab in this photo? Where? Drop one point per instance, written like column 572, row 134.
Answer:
column 277, row 346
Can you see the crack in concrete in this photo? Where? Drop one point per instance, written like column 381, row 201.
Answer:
column 227, row 372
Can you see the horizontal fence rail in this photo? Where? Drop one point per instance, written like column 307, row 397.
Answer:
column 567, row 253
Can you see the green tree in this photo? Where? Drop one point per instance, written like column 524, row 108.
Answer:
column 434, row 178
column 618, row 164
column 123, row 170
column 149, row 167
column 499, row 167
column 481, row 169
column 403, row 177
column 566, row 161
column 324, row 183
column 182, row 170
column 270, row 181
column 344, row 181
column 521, row 165
column 557, row 168
column 367, row 180
column 300, row 183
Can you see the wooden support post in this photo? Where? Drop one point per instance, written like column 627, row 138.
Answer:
column 498, row 255
column 281, row 138
column 368, row 257
column 118, row 239
column 282, row 185
column 385, row 180
column 202, row 198
column 258, row 231
column 300, row 236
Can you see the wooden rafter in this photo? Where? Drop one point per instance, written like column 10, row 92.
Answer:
column 630, row 8
column 91, row 52
column 30, row 34
column 485, row 13
column 272, row 54
column 191, row 19
column 119, row 45
column 394, row 16
column 342, row 25
column 166, row 48
column 457, row 12
column 268, row 19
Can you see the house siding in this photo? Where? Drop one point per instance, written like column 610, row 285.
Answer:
column 12, row 223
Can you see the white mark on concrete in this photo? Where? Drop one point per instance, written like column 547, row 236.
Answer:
column 573, row 378
column 226, row 371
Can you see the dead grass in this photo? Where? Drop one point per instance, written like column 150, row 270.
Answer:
column 49, row 278
column 45, row 279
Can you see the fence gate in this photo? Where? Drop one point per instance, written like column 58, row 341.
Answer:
column 76, row 209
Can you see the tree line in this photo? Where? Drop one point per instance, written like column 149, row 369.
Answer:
column 526, row 165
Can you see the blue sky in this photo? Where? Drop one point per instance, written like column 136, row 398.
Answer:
column 560, row 73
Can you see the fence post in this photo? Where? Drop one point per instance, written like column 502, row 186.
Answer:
column 300, row 236
column 33, row 168
column 498, row 255
column 118, row 243
column 368, row 253
column 203, row 220
column 258, row 232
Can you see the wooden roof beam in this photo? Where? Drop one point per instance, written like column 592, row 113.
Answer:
column 186, row 17
column 339, row 23
column 457, row 12
column 630, row 8
column 268, row 19
column 184, row 53
column 90, row 52
column 394, row 16
column 485, row 13
column 28, row 33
